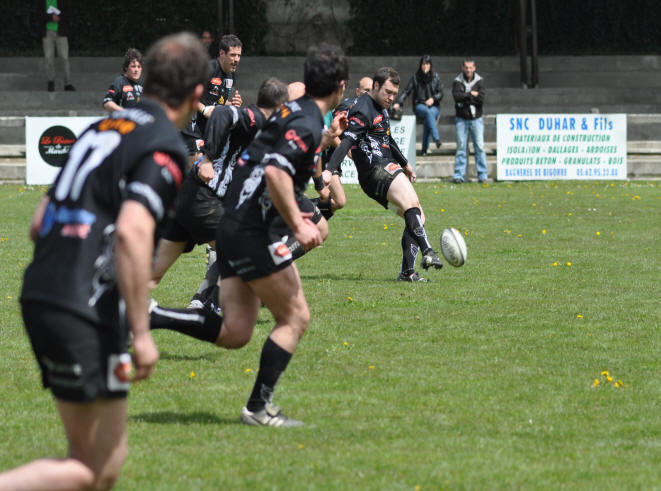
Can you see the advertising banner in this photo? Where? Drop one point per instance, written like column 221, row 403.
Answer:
column 561, row 146
column 47, row 144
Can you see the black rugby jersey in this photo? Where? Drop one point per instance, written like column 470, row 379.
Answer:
column 124, row 92
column 218, row 91
column 369, row 135
column 290, row 141
column 229, row 130
column 134, row 154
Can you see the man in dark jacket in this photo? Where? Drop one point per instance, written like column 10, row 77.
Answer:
column 427, row 92
column 53, row 19
column 468, row 92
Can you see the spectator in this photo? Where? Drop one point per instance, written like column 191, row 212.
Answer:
column 53, row 18
column 427, row 92
column 468, row 92
column 209, row 43
column 125, row 90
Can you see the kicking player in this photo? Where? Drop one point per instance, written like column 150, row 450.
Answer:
column 384, row 174
column 89, row 280
column 255, row 264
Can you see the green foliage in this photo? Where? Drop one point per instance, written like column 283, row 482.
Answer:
column 482, row 379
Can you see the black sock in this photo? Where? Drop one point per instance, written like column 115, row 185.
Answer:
column 272, row 363
column 414, row 226
column 409, row 252
column 198, row 323
column 295, row 247
column 209, row 283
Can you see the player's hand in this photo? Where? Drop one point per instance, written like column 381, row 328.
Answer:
column 326, row 174
column 307, row 233
column 339, row 124
column 145, row 355
column 205, row 170
column 410, row 173
column 236, row 99
column 324, row 193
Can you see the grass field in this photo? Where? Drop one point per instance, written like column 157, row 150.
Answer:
column 491, row 376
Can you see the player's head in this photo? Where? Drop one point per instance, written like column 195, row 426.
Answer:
column 326, row 72
column 385, row 86
column 229, row 54
column 425, row 64
column 132, row 65
column 271, row 94
column 364, row 85
column 176, row 68
column 295, row 90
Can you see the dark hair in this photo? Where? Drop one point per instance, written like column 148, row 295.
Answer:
column 468, row 59
column 130, row 55
column 174, row 66
column 271, row 93
column 325, row 67
column 229, row 41
column 385, row 73
column 425, row 59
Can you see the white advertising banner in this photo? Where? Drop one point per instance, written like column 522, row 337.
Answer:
column 403, row 132
column 47, row 144
column 561, row 146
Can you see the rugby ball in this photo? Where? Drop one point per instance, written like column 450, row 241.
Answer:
column 453, row 247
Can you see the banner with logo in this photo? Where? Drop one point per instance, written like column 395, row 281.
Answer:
column 47, row 144
column 403, row 132
column 562, row 146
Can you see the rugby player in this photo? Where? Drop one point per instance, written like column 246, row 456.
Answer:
column 384, row 174
column 125, row 90
column 89, row 280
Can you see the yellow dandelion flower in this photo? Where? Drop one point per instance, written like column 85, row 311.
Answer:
column 346, row 344
column 579, row 316
column 507, row 231
column 435, row 192
column 519, row 235
column 612, row 184
column 595, row 383
column 568, row 263
column 301, row 446
column 442, row 210
column 191, row 376
column 598, row 233
column 604, row 373
column 350, row 299
column 9, row 297
column 247, row 370
column 385, row 227
column 371, row 367
column 619, row 383
column 543, row 231
column 636, row 197
column 383, row 243
column 569, row 214
column 555, row 263
column 350, row 236
column 609, row 378
column 417, row 487
column 534, row 204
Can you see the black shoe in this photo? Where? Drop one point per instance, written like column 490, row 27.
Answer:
column 438, row 143
column 412, row 278
column 431, row 259
column 69, row 88
column 458, row 180
column 423, row 153
column 51, row 86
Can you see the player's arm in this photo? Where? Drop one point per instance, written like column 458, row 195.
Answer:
column 152, row 184
column 401, row 160
column 133, row 253
column 281, row 191
column 113, row 97
column 357, row 128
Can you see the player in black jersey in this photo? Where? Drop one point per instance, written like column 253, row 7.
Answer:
column 199, row 205
column 219, row 90
column 255, row 264
column 383, row 172
column 88, row 282
column 125, row 90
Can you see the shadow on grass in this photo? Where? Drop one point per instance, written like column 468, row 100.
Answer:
column 171, row 417
column 365, row 277
column 211, row 356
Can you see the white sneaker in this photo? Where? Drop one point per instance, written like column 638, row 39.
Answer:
column 271, row 415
